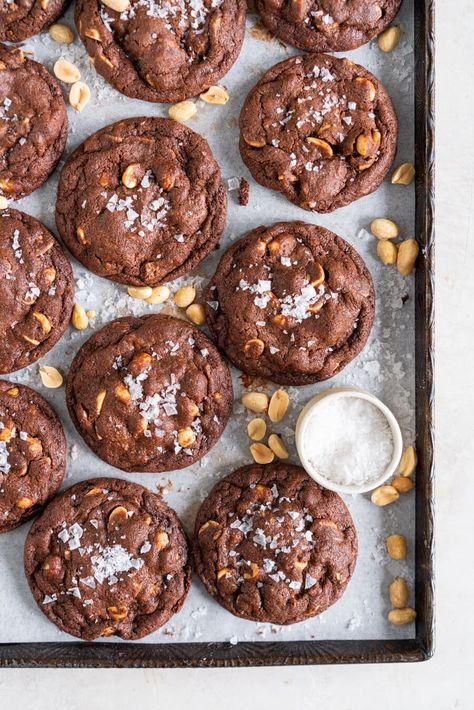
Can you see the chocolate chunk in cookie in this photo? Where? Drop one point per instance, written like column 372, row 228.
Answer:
column 36, row 290
column 33, row 124
column 32, row 454
column 108, row 557
column 149, row 394
column 271, row 545
column 327, row 25
column 293, row 303
column 320, row 130
column 141, row 201
column 20, row 19
column 160, row 50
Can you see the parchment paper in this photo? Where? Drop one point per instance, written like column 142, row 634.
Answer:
column 385, row 368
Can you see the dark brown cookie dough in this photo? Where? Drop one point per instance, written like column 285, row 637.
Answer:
column 149, row 394
column 160, row 50
column 141, row 201
column 327, row 25
column 320, row 130
column 271, row 545
column 108, row 557
column 33, row 124
column 32, row 454
column 293, row 303
column 36, row 290
column 20, row 19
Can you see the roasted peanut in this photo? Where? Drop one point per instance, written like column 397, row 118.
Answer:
column 400, row 617
column 215, row 95
column 384, row 228
column 396, row 547
column 182, row 111
column 184, row 296
column 389, row 39
column 384, row 495
column 256, row 429
column 262, row 454
column 50, row 377
column 278, row 405
column 387, row 251
column 403, row 175
column 398, row 593
column 407, row 255
column 61, row 34
column 408, row 462
column 277, row 446
column 403, row 484
column 255, row 401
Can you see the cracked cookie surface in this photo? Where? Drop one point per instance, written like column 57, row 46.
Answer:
column 320, row 130
column 32, row 454
column 159, row 50
column 141, row 201
column 327, row 25
column 149, row 394
column 108, row 557
column 20, row 19
column 271, row 545
column 33, row 124
column 293, row 303
column 36, row 290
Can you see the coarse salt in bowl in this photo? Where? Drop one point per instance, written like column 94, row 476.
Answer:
column 348, row 440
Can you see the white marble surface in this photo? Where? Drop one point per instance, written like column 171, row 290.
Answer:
column 447, row 680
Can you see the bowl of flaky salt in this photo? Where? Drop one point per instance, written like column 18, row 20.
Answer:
column 348, row 440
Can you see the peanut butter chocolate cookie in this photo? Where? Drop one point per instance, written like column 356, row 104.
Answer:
column 20, row 19
column 327, row 25
column 293, row 303
column 141, row 201
column 32, row 454
column 271, row 545
column 33, row 124
column 36, row 290
column 161, row 50
column 149, row 394
column 320, row 130
column 108, row 557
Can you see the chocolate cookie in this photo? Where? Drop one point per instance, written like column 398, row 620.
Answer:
column 320, row 130
column 21, row 19
column 160, row 50
column 293, row 303
column 33, row 124
column 36, row 290
column 141, row 201
column 149, row 394
column 108, row 557
column 32, row 454
column 327, row 25
column 271, row 545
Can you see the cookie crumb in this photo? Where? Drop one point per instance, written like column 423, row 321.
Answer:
column 244, row 192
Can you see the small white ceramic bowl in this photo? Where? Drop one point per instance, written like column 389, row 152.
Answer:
column 337, row 392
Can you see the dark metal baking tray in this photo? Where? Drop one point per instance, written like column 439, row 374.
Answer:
column 176, row 655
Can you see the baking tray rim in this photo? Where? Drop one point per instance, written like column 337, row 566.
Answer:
column 420, row 648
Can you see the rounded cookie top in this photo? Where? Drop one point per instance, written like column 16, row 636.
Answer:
column 160, row 50
column 141, row 201
column 271, row 545
column 33, row 124
column 327, row 25
column 150, row 393
column 108, row 557
column 25, row 18
column 36, row 290
column 32, row 454
column 293, row 303
column 320, row 130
